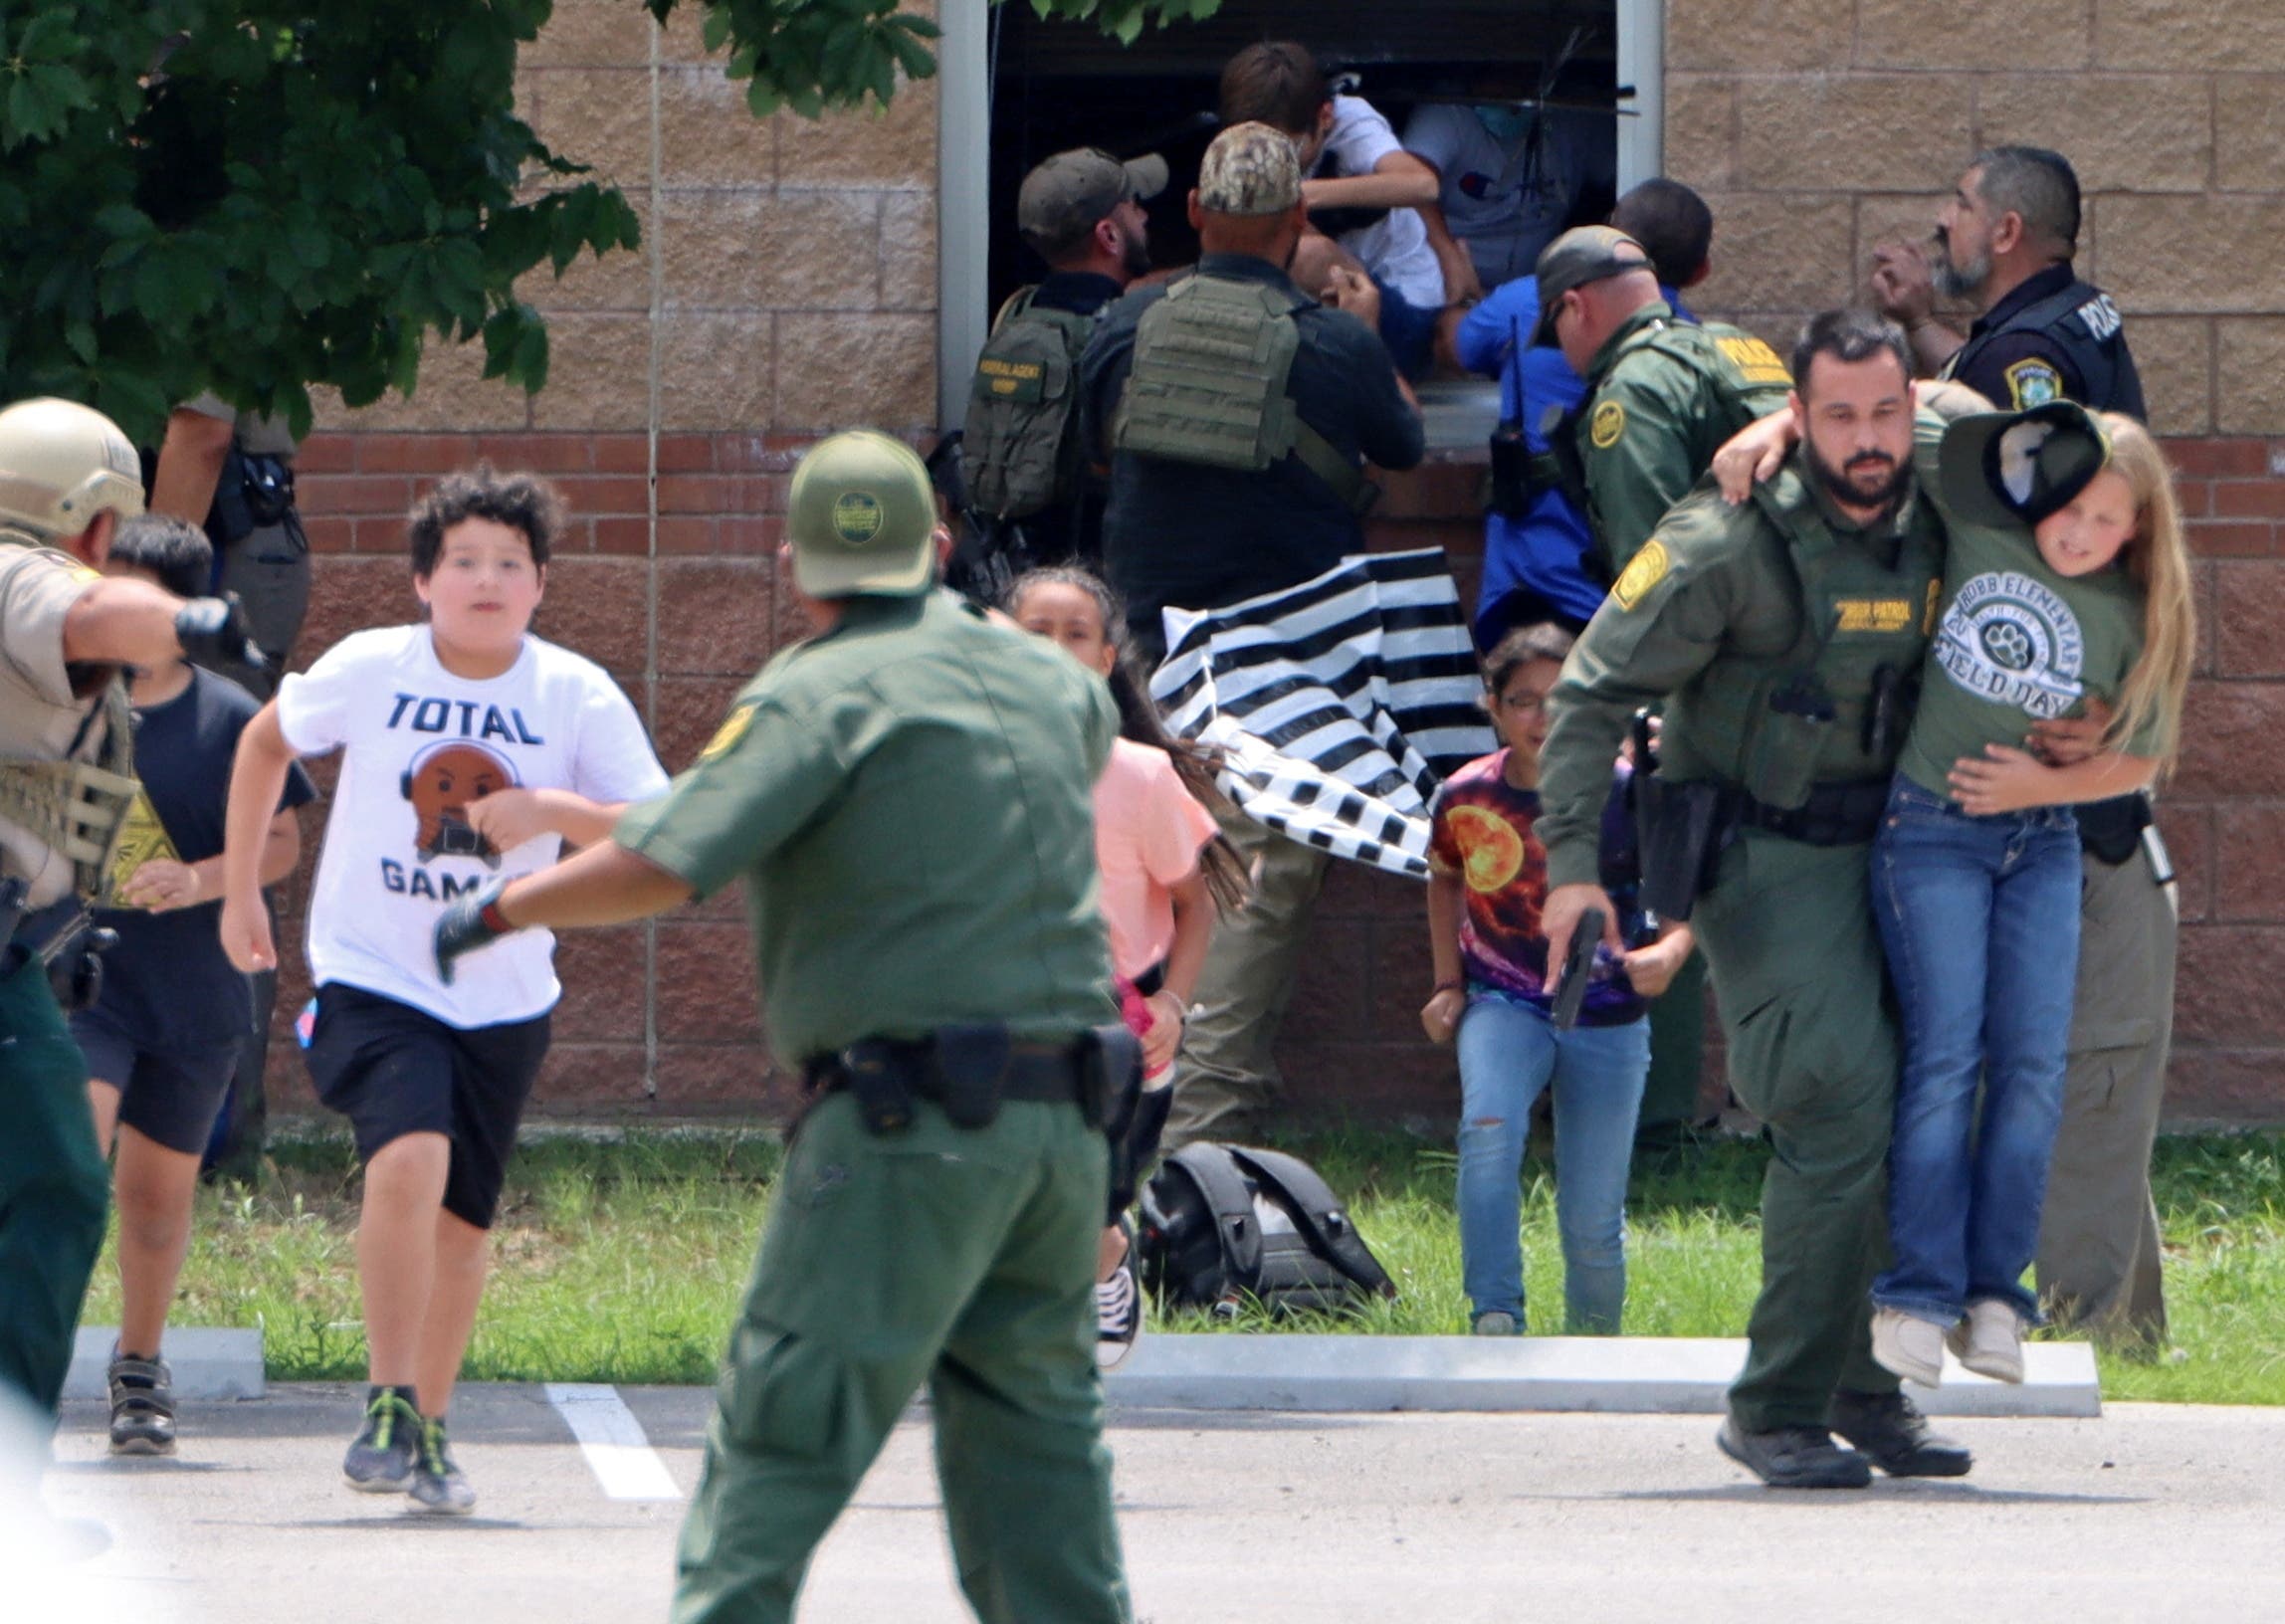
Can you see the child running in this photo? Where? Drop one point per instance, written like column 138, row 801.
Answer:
column 1163, row 868
column 164, row 1034
column 471, row 751
column 2067, row 586
column 1487, row 883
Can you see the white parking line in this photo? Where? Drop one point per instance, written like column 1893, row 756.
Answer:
column 612, row 1439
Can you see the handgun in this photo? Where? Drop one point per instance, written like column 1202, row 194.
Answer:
column 1579, row 965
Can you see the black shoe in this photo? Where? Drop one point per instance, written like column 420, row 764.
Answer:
column 142, row 1406
column 1793, row 1457
column 1895, row 1435
column 382, row 1455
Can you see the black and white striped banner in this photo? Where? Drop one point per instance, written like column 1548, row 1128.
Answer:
column 1341, row 704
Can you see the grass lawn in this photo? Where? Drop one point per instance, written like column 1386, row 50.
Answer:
column 624, row 1259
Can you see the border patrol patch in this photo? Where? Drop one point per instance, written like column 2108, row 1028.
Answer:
column 1607, row 424
column 1754, row 360
column 857, row 516
column 1643, row 571
column 726, row 736
column 1877, row 616
column 2033, row 382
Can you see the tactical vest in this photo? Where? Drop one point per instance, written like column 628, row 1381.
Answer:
column 1780, row 726
column 1020, row 448
column 1208, row 385
column 79, row 807
column 2081, row 321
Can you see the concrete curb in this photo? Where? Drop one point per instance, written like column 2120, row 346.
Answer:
column 207, row 1363
column 1640, row 1375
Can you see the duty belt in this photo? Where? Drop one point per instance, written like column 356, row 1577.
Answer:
column 1048, row 1072
column 1833, row 815
column 2112, row 829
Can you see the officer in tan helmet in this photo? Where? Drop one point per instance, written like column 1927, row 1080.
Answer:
column 68, row 477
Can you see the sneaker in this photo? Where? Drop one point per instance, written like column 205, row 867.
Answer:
column 1888, row 1430
column 1496, row 1323
column 142, row 1406
column 381, row 1456
column 1912, row 1347
column 438, row 1484
column 1793, row 1457
column 1990, row 1341
column 1117, row 1317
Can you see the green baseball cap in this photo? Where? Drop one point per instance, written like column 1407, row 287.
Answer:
column 2016, row 467
column 1580, row 256
column 1065, row 196
column 862, row 517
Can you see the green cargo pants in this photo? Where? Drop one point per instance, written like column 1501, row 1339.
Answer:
column 1790, row 940
column 963, row 1257
column 53, row 1189
column 2099, row 1245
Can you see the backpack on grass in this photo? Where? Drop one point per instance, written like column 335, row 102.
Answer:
column 1222, row 1223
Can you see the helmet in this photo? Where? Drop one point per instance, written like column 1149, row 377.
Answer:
column 62, row 463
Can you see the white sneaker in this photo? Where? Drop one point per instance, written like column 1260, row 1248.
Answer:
column 1990, row 1341
column 1910, row 1346
column 1496, row 1323
column 1118, row 1318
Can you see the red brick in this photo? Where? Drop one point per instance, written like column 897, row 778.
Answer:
column 685, row 453
column 325, row 454
column 1332, row 998
column 2248, row 864
column 759, row 454
column 686, row 712
column 621, row 533
column 2232, row 1086
column 579, row 1077
column 2249, row 619
column 2249, row 498
column 2222, row 459
column 1333, row 1083
column 750, row 537
column 2230, row 742
column 331, row 535
column 2196, row 497
column 2230, row 538
column 2226, row 989
column 2189, row 841
column 621, row 453
column 687, row 533
column 355, row 494
column 1403, row 974
column 706, row 991
column 598, row 607
column 604, row 986
column 737, row 1075
column 349, row 594
column 414, row 453
column 535, row 453
column 716, row 616
column 2206, row 579
column 605, row 493
column 721, row 493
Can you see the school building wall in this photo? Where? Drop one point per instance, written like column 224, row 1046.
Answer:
column 787, row 288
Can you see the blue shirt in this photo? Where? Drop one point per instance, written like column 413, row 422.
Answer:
column 1542, row 553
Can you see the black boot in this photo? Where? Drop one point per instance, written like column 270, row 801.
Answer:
column 1889, row 1428
column 1793, row 1457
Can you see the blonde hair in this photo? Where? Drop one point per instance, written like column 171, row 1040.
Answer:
column 2156, row 558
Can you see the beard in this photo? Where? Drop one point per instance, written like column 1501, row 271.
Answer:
column 1844, row 486
column 1135, row 258
column 1955, row 281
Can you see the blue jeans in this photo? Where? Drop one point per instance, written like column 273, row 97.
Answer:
column 1980, row 918
column 1508, row 1051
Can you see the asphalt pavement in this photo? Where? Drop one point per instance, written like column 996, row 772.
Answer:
column 2149, row 1513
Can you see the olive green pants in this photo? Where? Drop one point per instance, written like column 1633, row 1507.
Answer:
column 2099, row 1246
column 53, row 1189
column 1789, row 941
column 960, row 1258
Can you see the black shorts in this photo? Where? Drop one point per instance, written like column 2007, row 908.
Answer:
column 169, row 1095
column 394, row 1070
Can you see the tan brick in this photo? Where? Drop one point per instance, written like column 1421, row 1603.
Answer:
column 1973, row 34
column 682, row 40
column 2249, row 133
column 1778, row 252
column 597, row 366
column 707, row 137
column 2188, row 33
column 715, row 370
column 618, row 280
column 2250, row 375
column 2185, row 255
column 756, row 249
column 599, row 607
column 894, row 148
column 908, row 251
column 593, row 34
column 1757, row 36
column 450, row 393
column 599, row 116
column 1871, row 131
column 851, row 371
column 1701, row 129
column 2123, row 133
column 2174, row 355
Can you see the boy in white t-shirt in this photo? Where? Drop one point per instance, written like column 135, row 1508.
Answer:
column 471, row 751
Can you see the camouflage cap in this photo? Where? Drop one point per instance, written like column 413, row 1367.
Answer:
column 1250, row 169
column 2016, row 467
column 1065, row 196
column 1582, row 255
column 862, row 517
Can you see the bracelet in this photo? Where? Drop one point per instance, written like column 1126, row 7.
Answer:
column 1455, row 985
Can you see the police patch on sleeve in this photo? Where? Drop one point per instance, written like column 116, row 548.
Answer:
column 1643, row 571
column 2033, row 382
column 726, row 736
column 1607, row 424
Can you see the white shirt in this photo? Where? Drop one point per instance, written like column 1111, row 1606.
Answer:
column 420, row 743
column 1396, row 247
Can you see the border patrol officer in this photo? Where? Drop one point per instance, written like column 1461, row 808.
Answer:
column 68, row 475
column 1780, row 637
column 2005, row 240
column 908, row 798
column 1662, row 394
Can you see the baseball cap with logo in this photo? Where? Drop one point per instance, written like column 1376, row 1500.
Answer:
column 862, row 517
column 1063, row 197
column 1250, row 169
column 1580, row 256
column 2016, row 467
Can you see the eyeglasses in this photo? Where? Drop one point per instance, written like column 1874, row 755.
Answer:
column 1524, row 706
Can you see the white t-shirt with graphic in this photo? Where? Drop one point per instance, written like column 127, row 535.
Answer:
column 419, row 745
column 1396, row 247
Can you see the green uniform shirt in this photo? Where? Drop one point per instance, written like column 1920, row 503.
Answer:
column 1708, row 621
column 1662, row 397
column 2017, row 644
column 909, row 802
